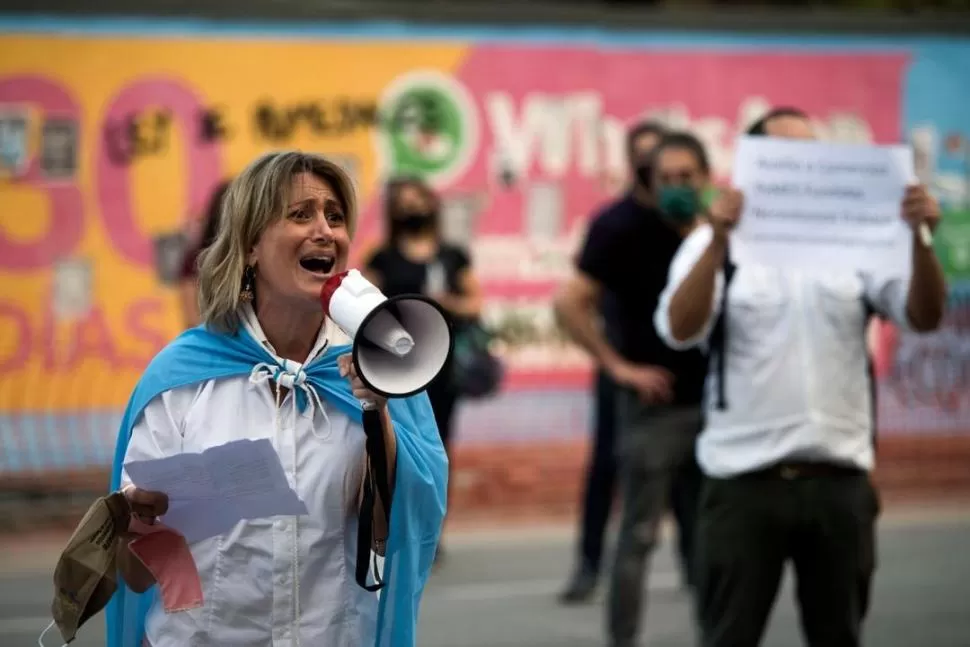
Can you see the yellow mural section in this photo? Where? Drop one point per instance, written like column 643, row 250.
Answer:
column 48, row 364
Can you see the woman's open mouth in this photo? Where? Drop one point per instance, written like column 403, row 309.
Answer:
column 319, row 265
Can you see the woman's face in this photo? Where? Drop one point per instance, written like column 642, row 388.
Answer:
column 412, row 212
column 299, row 252
column 411, row 199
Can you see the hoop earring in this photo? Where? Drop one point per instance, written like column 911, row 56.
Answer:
column 248, row 285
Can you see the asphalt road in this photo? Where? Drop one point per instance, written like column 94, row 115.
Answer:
column 499, row 590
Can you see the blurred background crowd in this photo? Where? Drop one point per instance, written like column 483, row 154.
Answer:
column 505, row 126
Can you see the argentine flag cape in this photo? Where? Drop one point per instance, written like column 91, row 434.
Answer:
column 421, row 473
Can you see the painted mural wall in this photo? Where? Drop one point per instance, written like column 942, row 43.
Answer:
column 113, row 137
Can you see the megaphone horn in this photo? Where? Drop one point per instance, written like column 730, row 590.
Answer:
column 400, row 344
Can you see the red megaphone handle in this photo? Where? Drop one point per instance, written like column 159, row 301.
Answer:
column 329, row 287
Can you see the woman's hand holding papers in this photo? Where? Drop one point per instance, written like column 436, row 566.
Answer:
column 147, row 506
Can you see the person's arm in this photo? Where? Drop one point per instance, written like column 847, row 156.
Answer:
column 188, row 290
column 577, row 303
column 916, row 304
column 371, row 269
column 691, row 300
column 156, row 435
column 926, row 297
column 468, row 301
column 690, row 303
column 576, row 306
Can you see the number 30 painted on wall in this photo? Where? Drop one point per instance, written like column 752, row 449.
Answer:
column 203, row 165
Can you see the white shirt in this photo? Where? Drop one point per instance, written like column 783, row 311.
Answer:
column 795, row 372
column 285, row 581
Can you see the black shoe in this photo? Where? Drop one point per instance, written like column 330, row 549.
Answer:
column 580, row 588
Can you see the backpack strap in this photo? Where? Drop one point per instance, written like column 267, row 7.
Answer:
column 870, row 312
column 718, row 334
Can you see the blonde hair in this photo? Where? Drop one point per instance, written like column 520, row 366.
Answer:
column 255, row 199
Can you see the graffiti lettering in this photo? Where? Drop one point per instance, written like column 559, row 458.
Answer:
column 63, row 346
column 132, row 127
column 137, row 135
column 550, row 134
column 212, row 125
column 66, row 221
column 202, row 163
column 544, row 132
column 336, row 117
column 15, row 328
column 59, row 148
column 13, row 142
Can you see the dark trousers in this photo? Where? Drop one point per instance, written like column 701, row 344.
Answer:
column 749, row 527
column 443, row 401
column 600, row 475
column 656, row 450
column 685, row 492
column 601, row 481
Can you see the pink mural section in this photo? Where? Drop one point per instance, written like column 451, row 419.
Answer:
column 557, row 116
column 629, row 84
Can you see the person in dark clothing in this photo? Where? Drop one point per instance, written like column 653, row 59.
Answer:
column 600, row 488
column 189, row 272
column 659, row 390
column 415, row 260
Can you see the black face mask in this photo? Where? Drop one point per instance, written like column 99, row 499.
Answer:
column 644, row 174
column 412, row 222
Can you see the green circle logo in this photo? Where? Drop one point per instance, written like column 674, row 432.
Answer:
column 429, row 128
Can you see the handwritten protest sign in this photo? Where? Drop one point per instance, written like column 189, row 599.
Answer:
column 822, row 206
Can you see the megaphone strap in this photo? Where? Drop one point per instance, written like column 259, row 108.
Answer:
column 375, row 479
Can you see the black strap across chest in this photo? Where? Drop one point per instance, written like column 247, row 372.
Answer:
column 375, row 482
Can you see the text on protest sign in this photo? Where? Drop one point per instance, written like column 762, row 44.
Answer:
column 821, row 205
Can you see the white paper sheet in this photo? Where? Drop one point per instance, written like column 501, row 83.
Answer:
column 210, row 492
column 821, row 205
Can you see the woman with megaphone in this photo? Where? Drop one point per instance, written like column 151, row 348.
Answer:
column 268, row 363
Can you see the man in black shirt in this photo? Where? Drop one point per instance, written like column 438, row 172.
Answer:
column 628, row 250
column 601, row 470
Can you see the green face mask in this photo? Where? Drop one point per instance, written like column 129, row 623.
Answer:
column 679, row 203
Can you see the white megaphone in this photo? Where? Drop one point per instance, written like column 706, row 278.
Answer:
column 400, row 344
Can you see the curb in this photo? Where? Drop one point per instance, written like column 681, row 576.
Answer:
column 30, row 553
